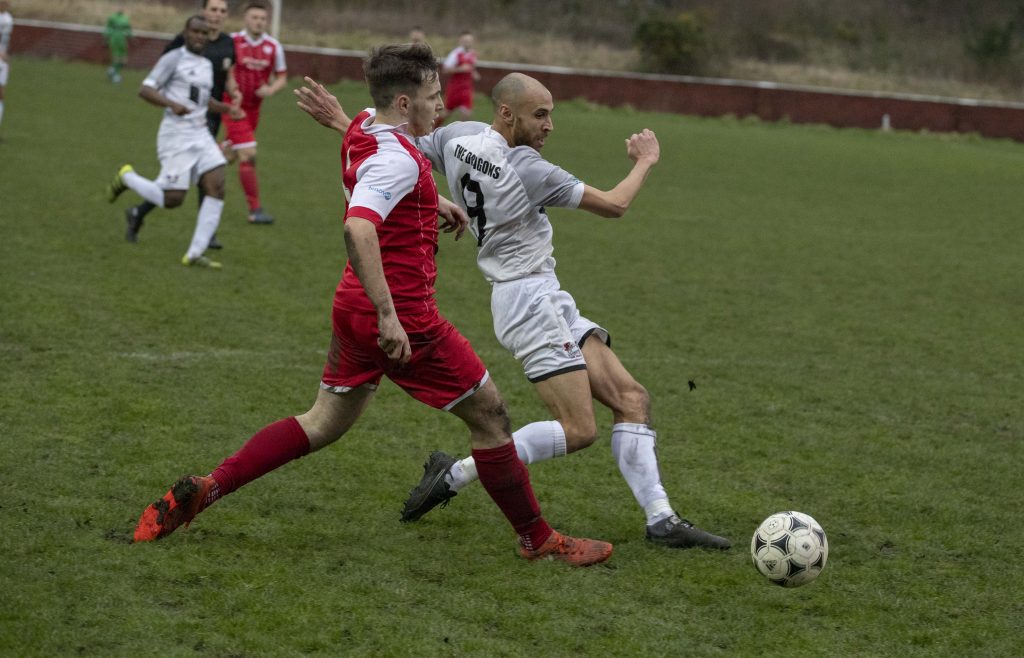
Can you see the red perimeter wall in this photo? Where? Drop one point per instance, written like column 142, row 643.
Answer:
column 683, row 95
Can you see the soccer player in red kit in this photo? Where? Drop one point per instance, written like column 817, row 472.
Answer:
column 260, row 72
column 386, row 322
column 460, row 66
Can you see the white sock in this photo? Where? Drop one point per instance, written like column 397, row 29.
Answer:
column 633, row 447
column 535, row 442
column 144, row 187
column 1, row 111
column 206, row 226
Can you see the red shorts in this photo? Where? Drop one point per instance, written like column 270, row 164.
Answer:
column 457, row 97
column 443, row 369
column 242, row 133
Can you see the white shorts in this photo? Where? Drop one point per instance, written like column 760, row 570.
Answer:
column 184, row 158
column 5, row 69
column 540, row 324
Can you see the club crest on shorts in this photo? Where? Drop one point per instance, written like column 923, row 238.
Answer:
column 572, row 350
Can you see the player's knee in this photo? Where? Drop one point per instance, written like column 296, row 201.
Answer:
column 490, row 419
column 214, row 187
column 495, row 418
column 173, row 199
column 579, row 433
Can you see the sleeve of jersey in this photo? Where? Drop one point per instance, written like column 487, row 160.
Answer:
column 432, row 146
column 452, row 60
column 163, row 70
column 381, row 182
column 279, row 65
column 546, row 184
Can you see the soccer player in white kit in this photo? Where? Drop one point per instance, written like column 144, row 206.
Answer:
column 496, row 173
column 6, row 26
column 181, row 82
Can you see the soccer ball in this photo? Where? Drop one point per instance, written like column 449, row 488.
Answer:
column 789, row 549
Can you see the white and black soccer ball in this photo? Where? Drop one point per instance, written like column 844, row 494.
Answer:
column 789, row 549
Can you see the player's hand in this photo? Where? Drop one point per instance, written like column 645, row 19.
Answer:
column 322, row 105
column 236, row 113
column 643, row 146
column 264, row 91
column 393, row 339
column 178, row 109
column 236, row 97
column 453, row 217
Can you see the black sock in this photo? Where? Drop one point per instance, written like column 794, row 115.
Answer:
column 144, row 208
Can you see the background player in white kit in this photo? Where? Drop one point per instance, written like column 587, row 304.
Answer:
column 6, row 25
column 181, row 83
column 498, row 176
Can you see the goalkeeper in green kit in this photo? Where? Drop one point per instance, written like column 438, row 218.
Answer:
column 116, row 35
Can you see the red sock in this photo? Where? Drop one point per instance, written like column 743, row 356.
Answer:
column 247, row 174
column 508, row 483
column 273, row 446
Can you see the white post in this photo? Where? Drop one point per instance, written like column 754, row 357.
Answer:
column 275, row 20
column 886, row 123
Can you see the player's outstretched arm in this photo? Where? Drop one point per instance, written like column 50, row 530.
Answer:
column 643, row 149
column 322, row 105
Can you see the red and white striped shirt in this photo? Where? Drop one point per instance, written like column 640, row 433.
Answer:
column 255, row 60
column 388, row 182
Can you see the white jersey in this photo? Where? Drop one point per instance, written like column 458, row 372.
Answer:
column 504, row 191
column 185, row 78
column 6, row 25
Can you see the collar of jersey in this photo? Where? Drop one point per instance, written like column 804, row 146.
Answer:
column 263, row 37
column 370, row 129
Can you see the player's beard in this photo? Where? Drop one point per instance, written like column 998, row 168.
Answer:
column 520, row 137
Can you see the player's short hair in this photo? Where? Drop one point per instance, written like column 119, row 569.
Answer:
column 194, row 17
column 257, row 4
column 206, row 3
column 398, row 68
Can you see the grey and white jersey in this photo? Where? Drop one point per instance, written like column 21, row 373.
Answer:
column 504, row 191
column 186, row 78
column 6, row 25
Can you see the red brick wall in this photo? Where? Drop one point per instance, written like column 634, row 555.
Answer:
column 660, row 93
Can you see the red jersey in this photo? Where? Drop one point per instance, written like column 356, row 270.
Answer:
column 255, row 60
column 456, row 58
column 388, row 182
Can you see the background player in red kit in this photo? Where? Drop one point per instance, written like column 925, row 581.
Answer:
column 260, row 72
column 460, row 66
column 386, row 322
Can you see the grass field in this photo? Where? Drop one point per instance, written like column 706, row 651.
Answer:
column 848, row 303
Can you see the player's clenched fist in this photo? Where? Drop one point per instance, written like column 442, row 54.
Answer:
column 643, row 146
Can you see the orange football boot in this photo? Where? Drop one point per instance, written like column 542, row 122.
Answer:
column 572, row 550
column 179, row 505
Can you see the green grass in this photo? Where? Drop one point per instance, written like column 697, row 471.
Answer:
column 848, row 303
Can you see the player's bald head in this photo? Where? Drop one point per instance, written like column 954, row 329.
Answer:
column 514, row 88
